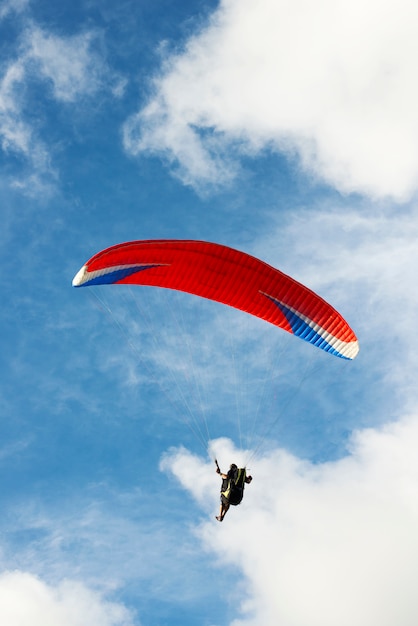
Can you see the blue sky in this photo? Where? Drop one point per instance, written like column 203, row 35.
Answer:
column 263, row 127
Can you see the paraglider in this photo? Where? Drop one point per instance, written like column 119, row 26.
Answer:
column 232, row 488
column 228, row 276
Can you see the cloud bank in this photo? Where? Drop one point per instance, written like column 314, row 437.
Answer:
column 320, row 544
column 331, row 84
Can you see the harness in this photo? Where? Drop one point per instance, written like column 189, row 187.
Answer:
column 234, row 491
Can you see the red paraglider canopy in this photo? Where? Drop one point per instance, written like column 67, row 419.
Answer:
column 228, row 276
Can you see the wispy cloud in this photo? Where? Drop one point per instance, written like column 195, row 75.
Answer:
column 12, row 6
column 74, row 70
column 14, row 132
column 13, row 449
column 70, row 63
column 331, row 83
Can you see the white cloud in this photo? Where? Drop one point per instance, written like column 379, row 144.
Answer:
column 331, row 82
column 320, row 544
column 26, row 600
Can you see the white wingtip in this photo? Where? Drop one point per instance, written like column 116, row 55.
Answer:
column 80, row 277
